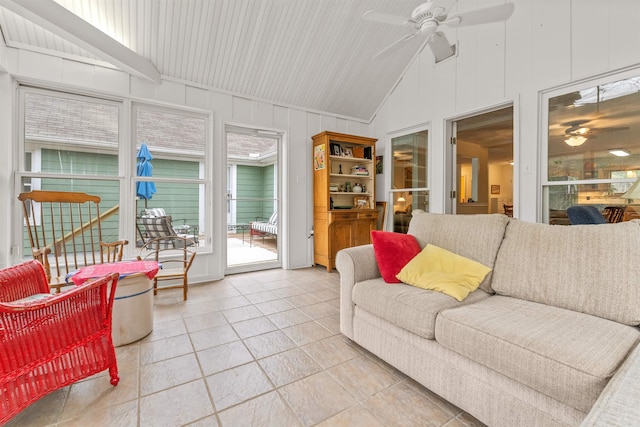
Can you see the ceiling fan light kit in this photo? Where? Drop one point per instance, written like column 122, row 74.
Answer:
column 428, row 16
column 575, row 140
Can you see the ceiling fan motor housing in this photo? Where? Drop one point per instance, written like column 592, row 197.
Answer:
column 421, row 12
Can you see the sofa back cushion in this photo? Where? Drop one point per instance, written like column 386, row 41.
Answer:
column 477, row 237
column 592, row 269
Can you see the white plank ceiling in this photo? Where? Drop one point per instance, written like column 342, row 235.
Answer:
column 312, row 54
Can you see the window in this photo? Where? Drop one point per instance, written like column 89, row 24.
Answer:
column 593, row 145
column 409, row 177
column 72, row 135
column 176, row 143
column 70, row 143
column 75, row 143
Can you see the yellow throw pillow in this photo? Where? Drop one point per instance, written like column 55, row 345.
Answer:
column 439, row 270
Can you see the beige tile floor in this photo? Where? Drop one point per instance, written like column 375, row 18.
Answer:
column 254, row 349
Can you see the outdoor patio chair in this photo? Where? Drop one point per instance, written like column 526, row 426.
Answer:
column 174, row 256
column 264, row 228
column 154, row 223
column 48, row 341
column 65, row 232
column 152, row 228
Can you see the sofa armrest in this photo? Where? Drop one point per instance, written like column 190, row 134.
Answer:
column 618, row 403
column 354, row 265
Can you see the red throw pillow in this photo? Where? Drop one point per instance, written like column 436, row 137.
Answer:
column 393, row 251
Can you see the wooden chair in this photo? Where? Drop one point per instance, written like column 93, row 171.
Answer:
column 65, row 232
column 175, row 255
column 508, row 210
column 50, row 341
column 613, row 214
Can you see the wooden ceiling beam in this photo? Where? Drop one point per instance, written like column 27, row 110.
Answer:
column 63, row 23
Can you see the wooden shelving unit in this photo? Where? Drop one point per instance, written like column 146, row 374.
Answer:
column 343, row 194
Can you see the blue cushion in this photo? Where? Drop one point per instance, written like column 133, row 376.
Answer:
column 585, row 214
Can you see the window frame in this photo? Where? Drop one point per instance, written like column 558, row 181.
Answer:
column 125, row 152
column 546, row 184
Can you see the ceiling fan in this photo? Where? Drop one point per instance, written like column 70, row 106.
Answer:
column 578, row 132
column 427, row 17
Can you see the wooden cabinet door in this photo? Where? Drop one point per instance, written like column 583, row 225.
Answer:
column 341, row 237
column 361, row 229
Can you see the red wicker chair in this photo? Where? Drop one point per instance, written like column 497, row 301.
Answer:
column 50, row 341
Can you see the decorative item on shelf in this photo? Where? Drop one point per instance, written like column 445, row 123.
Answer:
column 319, row 161
column 333, row 186
column 361, row 202
column 379, row 164
column 340, row 170
column 359, row 170
column 358, row 152
column 347, row 187
column 357, row 188
column 347, row 152
column 336, row 149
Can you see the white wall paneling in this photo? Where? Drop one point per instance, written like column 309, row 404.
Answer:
column 543, row 45
column 298, row 125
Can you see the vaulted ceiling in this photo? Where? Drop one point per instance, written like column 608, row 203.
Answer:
column 311, row 54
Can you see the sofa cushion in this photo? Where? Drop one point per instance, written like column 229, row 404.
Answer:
column 393, row 251
column 439, row 270
column 563, row 354
column 405, row 306
column 592, row 269
column 477, row 237
column 273, row 219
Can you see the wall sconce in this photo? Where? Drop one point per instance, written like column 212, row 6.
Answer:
column 575, row 140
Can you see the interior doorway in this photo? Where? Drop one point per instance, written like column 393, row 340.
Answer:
column 482, row 163
column 252, row 199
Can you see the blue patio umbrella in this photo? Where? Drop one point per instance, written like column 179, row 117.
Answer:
column 144, row 189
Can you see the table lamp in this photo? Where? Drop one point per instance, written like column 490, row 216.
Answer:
column 633, row 192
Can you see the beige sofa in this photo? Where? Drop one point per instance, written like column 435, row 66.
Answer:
column 550, row 337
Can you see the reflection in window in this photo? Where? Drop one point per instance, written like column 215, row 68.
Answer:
column 409, row 177
column 402, row 217
column 593, row 138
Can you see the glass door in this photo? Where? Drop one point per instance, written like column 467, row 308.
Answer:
column 252, row 198
column 482, row 167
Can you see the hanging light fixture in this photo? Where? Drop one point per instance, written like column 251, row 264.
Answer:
column 575, row 140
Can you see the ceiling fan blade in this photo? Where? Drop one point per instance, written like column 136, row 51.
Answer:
column 440, row 47
column 384, row 52
column 481, row 16
column 385, row 18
